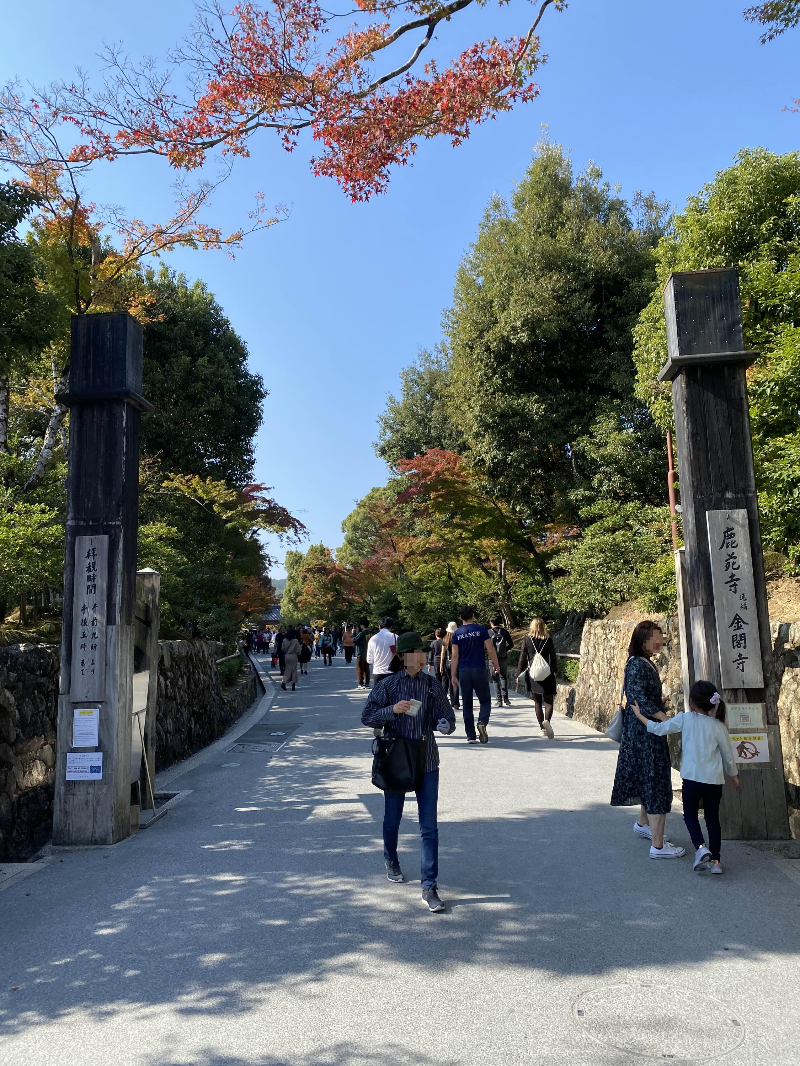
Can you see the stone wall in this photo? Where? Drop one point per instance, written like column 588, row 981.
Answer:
column 604, row 650
column 28, row 715
column 192, row 711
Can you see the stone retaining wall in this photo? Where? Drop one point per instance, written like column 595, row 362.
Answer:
column 28, row 715
column 192, row 712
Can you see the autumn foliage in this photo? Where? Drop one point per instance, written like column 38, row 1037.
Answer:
column 286, row 67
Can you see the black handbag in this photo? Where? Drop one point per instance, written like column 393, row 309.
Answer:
column 398, row 763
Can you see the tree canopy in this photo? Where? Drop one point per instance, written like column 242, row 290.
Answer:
column 208, row 401
column 749, row 218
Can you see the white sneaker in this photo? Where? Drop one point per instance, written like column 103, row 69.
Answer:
column 701, row 857
column 669, row 851
column 714, row 867
column 548, row 730
column 643, row 831
column 542, row 731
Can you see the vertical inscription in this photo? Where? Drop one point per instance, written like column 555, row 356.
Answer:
column 89, row 619
column 734, row 599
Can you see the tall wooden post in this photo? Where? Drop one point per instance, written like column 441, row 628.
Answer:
column 93, row 767
column 727, row 639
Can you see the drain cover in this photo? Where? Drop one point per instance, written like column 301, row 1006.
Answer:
column 238, row 748
column 659, row 1022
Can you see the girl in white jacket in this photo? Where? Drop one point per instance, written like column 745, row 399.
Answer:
column 706, row 759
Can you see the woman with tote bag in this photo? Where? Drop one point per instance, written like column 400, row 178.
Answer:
column 538, row 663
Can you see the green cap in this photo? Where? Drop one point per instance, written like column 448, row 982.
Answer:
column 411, row 642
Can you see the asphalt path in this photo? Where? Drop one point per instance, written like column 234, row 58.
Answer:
column 254, row 923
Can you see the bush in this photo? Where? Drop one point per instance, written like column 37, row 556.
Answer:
column 229, row 671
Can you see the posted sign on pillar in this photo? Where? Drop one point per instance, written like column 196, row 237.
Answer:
column 89, row 619
column 734, row 599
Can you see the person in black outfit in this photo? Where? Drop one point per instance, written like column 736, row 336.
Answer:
column 503, row 643
column 435, row 655
column 280, row 637
column 541, row 692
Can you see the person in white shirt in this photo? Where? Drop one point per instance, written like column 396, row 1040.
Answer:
column 381, row 650
column 706, row 759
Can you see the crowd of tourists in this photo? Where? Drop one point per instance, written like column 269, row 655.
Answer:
column 417, row 686
column 408, row 706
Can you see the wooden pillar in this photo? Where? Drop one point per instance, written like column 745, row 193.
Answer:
column 724, row 595
column 145, row 667
column 93, row 776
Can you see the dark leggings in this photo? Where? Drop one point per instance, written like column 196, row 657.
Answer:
column 537, row 706
column 695, row 793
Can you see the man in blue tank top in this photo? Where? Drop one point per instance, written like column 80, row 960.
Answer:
column 471, row 643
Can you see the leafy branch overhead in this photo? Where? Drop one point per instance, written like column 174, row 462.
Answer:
column 285, row 67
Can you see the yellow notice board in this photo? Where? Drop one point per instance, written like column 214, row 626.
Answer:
column 749, row 747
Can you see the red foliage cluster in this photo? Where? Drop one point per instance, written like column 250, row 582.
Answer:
column 281, row 66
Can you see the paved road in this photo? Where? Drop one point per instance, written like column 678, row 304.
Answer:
column 254, row 925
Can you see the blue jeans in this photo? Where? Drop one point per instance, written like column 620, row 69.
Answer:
column 427, row 800
column 474, row 679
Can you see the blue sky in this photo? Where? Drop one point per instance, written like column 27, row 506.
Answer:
column 336, row 300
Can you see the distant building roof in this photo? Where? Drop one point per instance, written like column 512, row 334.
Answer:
column 272, row 614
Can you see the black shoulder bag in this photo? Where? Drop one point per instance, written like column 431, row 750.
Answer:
column 399, row 763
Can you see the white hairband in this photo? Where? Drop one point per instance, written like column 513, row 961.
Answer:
column 715, row 699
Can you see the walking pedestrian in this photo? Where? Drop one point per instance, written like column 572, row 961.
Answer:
column 390, row 706
column 291, row 654
column 327, row 647
column 541, row 692
column 347, row 643
column 706, row 758
column 381, row 651
column 644, row 773
column 360, row 642
column 337, row 639
column 306, row 641
column 280, row 639
column 469, row 647
column 503, row 643
column 435, row 654
column 446, row 663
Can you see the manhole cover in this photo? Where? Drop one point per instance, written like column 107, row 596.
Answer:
column 238, row 748
column 658, row 1022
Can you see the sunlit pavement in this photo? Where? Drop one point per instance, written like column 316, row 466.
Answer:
column 254, row 923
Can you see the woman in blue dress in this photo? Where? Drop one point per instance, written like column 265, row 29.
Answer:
column 644, row 773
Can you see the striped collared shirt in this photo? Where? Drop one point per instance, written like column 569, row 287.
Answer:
column 435, row 705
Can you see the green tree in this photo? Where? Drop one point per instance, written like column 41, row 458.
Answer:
column 539, row 332
column 420, row 419
column 748, row 217
column 30, row 317
column 207, row 401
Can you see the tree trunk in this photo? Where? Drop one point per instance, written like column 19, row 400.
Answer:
column 23, row 610
column 51, row 437
column 3, row 610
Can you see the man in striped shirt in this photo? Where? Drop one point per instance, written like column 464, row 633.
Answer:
column 390, row 706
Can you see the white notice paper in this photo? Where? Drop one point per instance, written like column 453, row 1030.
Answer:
column 84, row 766
column 85, row 723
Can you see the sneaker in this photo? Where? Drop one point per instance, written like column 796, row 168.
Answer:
column 393, row 872
column 669, row 851
column 472, row 740
column 542, row 731
column 431, row 897
column 714, row 867
column 483, row 735
column 506, row 702
column 643, row 831
column 701, row 857
column 548, row 730
column 498, row 703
